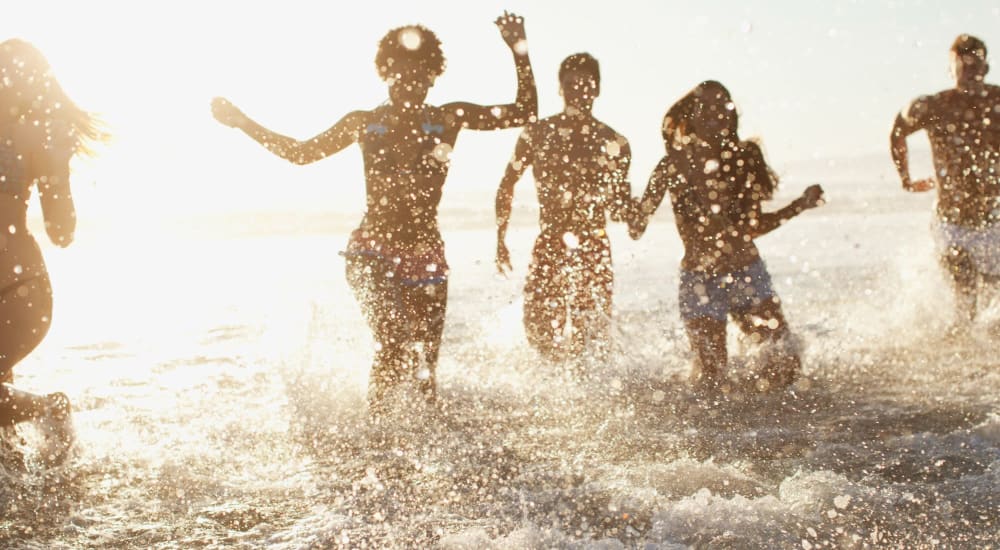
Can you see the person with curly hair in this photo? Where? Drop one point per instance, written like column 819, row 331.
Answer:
column 41, row 129
column 395, row 259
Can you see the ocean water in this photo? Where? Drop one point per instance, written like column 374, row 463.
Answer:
column 218, row 375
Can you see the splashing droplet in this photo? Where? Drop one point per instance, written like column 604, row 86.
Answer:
column 410, row 38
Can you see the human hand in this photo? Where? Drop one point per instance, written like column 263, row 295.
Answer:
column 813, row 197
column 638, row 219
column 512, row 30
column 503, row 258
column 227, row 113
column 921, row 185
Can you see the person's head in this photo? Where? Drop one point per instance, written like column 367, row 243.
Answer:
column 968, row 59
column 707, row 112
column 409, row 59
column 29, row 90
column 580, row 80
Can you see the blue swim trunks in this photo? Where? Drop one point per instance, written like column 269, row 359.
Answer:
column 717, row 295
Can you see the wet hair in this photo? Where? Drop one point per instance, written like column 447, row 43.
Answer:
column 581, row 62
column 681, row 122
column 966, row 44
column 681, row 119
column 29, row 89
column 409, row 46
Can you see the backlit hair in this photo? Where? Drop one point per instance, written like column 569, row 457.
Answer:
column 681, row 119
column 966, row 44
column 29, row 89
column 408, row 47
column 680, row 126
column 581, row 62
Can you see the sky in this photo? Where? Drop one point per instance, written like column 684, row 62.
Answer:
column 813, row 79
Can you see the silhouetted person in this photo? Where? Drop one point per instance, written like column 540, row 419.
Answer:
column 395, row 260
column 962, row 124
column 580, row 167
column 717, row 183
column 41, row 129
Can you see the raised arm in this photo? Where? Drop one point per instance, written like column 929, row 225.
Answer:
column 907, row 122
column 525, row 106
column 333, row 140
column 505, row 196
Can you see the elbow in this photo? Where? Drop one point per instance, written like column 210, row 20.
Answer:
column 61, row 237
column 531, row 109
column 61, row 234
column 299, row 160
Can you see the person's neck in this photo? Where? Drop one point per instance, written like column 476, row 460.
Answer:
column 713, row 146
column 970, row 82
column 406, row 106
column 577, row 110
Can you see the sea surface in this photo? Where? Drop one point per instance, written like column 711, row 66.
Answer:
column 218, row 370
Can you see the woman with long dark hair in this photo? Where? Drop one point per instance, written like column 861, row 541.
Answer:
column 717, row 184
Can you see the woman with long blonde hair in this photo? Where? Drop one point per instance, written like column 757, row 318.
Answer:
column 41, row 129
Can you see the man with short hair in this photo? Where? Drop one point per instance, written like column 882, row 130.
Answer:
column 962, row 124
column 580, row 166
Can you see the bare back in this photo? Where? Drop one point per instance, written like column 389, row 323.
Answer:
column 581, row 168
column 963, row 126
column 406, row 156
column 717, row 205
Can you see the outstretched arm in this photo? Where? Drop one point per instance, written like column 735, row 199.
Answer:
column 339, row 136
column 769, row 221
column 505, row 197
column 907, row 122
column 525, row 107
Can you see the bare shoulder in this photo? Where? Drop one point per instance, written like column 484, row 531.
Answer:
column 752, row 151
column 928, row 104
column 670, row 164
column 615, row 142
column 992, row 91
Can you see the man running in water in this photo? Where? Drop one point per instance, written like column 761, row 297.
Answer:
column 580, row 166
column 962, row 124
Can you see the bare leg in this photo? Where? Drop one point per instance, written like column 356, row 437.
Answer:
column 379, row 303
column 964, row 279
column 707, row 338
column 766, row 325
column 406, row 323
column 427, row 306
column 593, row 287
column 25, row 311
column 545, row 314
column 18, row 406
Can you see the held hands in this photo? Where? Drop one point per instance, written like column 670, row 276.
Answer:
column 512, row 30
column 503, row 258
column 227, row 113
column 638, row 219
